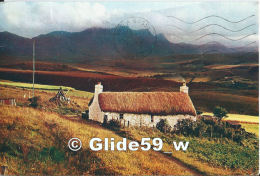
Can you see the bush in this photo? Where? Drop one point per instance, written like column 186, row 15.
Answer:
column 184, row 127
column 206, row 127
column 34, row 101
column 112, row 124
column 52, row 153
column 163, row 126
column 220, row 112
column 199, row 112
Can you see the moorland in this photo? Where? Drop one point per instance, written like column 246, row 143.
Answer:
column 34, row 139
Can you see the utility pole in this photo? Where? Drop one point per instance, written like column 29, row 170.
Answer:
column 33, row 64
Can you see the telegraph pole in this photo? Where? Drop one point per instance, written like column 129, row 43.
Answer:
column 33, row 64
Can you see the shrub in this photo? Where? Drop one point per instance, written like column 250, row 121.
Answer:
column 199, row 112
column 52, row 153
column 201, row 129
column 163, row 126
column 34, row 101
column 112, row 124
column 184, row 127
column 206, row 127
column 220, row 112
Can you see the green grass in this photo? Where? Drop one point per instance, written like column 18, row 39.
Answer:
column 221, row 153
column 239, row 117
column 224, row 153
column 248, row 122
column 48, row 88
column 252, row 128
column 36, row 86
column 229, row 154
column 79, row 93
column 243, row 118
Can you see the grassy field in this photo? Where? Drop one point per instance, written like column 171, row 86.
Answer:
column 209, row 157
column 242, row 118
column 46, row 88
column 239, row 117
column 79, row 99
column 36, row 86
column 252, row 128
column 250, row 123
column 34, row 142
column 32, row 146
column 28, row 135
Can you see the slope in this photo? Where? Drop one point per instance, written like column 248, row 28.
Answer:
column 34, row 142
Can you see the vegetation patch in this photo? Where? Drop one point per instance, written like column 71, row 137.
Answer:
column 226, row 154
column 210, row 141
column 37, row 144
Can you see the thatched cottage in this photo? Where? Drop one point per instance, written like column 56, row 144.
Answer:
column 141, row 108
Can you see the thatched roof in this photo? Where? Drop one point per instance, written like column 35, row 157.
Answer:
column 161, row 103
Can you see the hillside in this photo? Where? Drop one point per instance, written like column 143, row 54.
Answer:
column 34, row 141
column 35, row 133
column 95, row 44
column 238, row 97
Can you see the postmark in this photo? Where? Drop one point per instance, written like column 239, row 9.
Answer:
column 134, row 37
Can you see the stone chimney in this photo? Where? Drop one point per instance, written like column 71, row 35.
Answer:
column 184, row 88
column 98, row 88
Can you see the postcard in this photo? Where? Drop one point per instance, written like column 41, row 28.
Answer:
column 129, row 87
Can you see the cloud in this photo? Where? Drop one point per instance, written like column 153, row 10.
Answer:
column 29, row 19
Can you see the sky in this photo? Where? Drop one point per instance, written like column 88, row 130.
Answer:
column 230, row 23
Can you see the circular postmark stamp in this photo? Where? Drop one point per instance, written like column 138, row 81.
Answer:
column 134, row 37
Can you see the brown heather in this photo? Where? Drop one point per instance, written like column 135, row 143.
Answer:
column 38, row 129
column 33, row 129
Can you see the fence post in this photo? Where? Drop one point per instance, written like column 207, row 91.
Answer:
column 211, row 132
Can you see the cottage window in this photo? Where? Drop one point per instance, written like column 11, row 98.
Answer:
column 152, row 118
column 121, row 116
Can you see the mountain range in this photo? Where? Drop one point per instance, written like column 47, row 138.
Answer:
column 101, row 43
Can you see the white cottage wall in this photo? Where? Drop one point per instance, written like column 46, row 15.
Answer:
column 95, row 112
column 146, row 119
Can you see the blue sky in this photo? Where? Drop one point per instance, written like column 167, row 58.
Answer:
column 30, row 19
